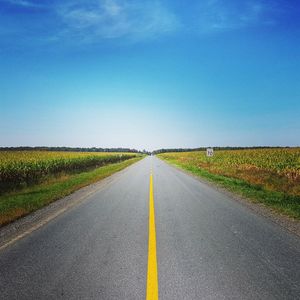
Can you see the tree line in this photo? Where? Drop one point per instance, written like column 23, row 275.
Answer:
column 215, row 148
column 71, row 149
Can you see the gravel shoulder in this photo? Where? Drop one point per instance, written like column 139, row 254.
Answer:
column 289, row 224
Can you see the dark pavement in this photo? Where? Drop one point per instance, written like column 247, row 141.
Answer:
column 209, row 246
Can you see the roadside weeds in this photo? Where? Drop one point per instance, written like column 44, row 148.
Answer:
column 18, row 204
column 266, row 203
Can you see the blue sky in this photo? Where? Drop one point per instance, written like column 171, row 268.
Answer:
column 149, row 74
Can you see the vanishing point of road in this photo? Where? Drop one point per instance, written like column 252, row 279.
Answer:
column 154, row 232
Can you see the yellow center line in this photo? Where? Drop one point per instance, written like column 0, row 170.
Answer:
column 152, row 281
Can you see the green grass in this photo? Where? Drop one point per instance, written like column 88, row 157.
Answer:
column 17, row 204
column 20, row 169
column 281, row 202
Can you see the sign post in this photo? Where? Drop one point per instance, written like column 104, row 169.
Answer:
column 209, row 152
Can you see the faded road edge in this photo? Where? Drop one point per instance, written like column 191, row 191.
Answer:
column 152, row 278
column 11, row 233
column 21, row 203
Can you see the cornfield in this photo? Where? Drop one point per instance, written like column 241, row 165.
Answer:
column 274, row 169
column 22, row 168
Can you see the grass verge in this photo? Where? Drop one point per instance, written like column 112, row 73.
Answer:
column 285, row 204
column 21, row 203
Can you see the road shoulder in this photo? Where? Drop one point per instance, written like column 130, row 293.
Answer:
column 18, row 229
column 289, row 224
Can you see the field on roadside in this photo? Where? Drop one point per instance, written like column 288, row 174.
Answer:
column 19, row 169
column 271, row 176
column 30, row 180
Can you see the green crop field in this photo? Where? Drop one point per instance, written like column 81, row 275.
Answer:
column 31, row 179
column 271, row 176
column 23, row 168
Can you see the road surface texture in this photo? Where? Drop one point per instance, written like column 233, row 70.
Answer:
column 208, row 246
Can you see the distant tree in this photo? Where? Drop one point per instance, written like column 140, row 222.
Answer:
column 74, row 149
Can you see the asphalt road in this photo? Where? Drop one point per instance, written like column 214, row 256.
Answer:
column 208, row 246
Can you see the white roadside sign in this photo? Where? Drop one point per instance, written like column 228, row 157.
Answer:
column 209, row 152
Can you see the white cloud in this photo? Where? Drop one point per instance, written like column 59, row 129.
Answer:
column 22, row 3
column 92, row 21
column 96, row 20
column 77, row 22
column 112, row 8
column 218, row 15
